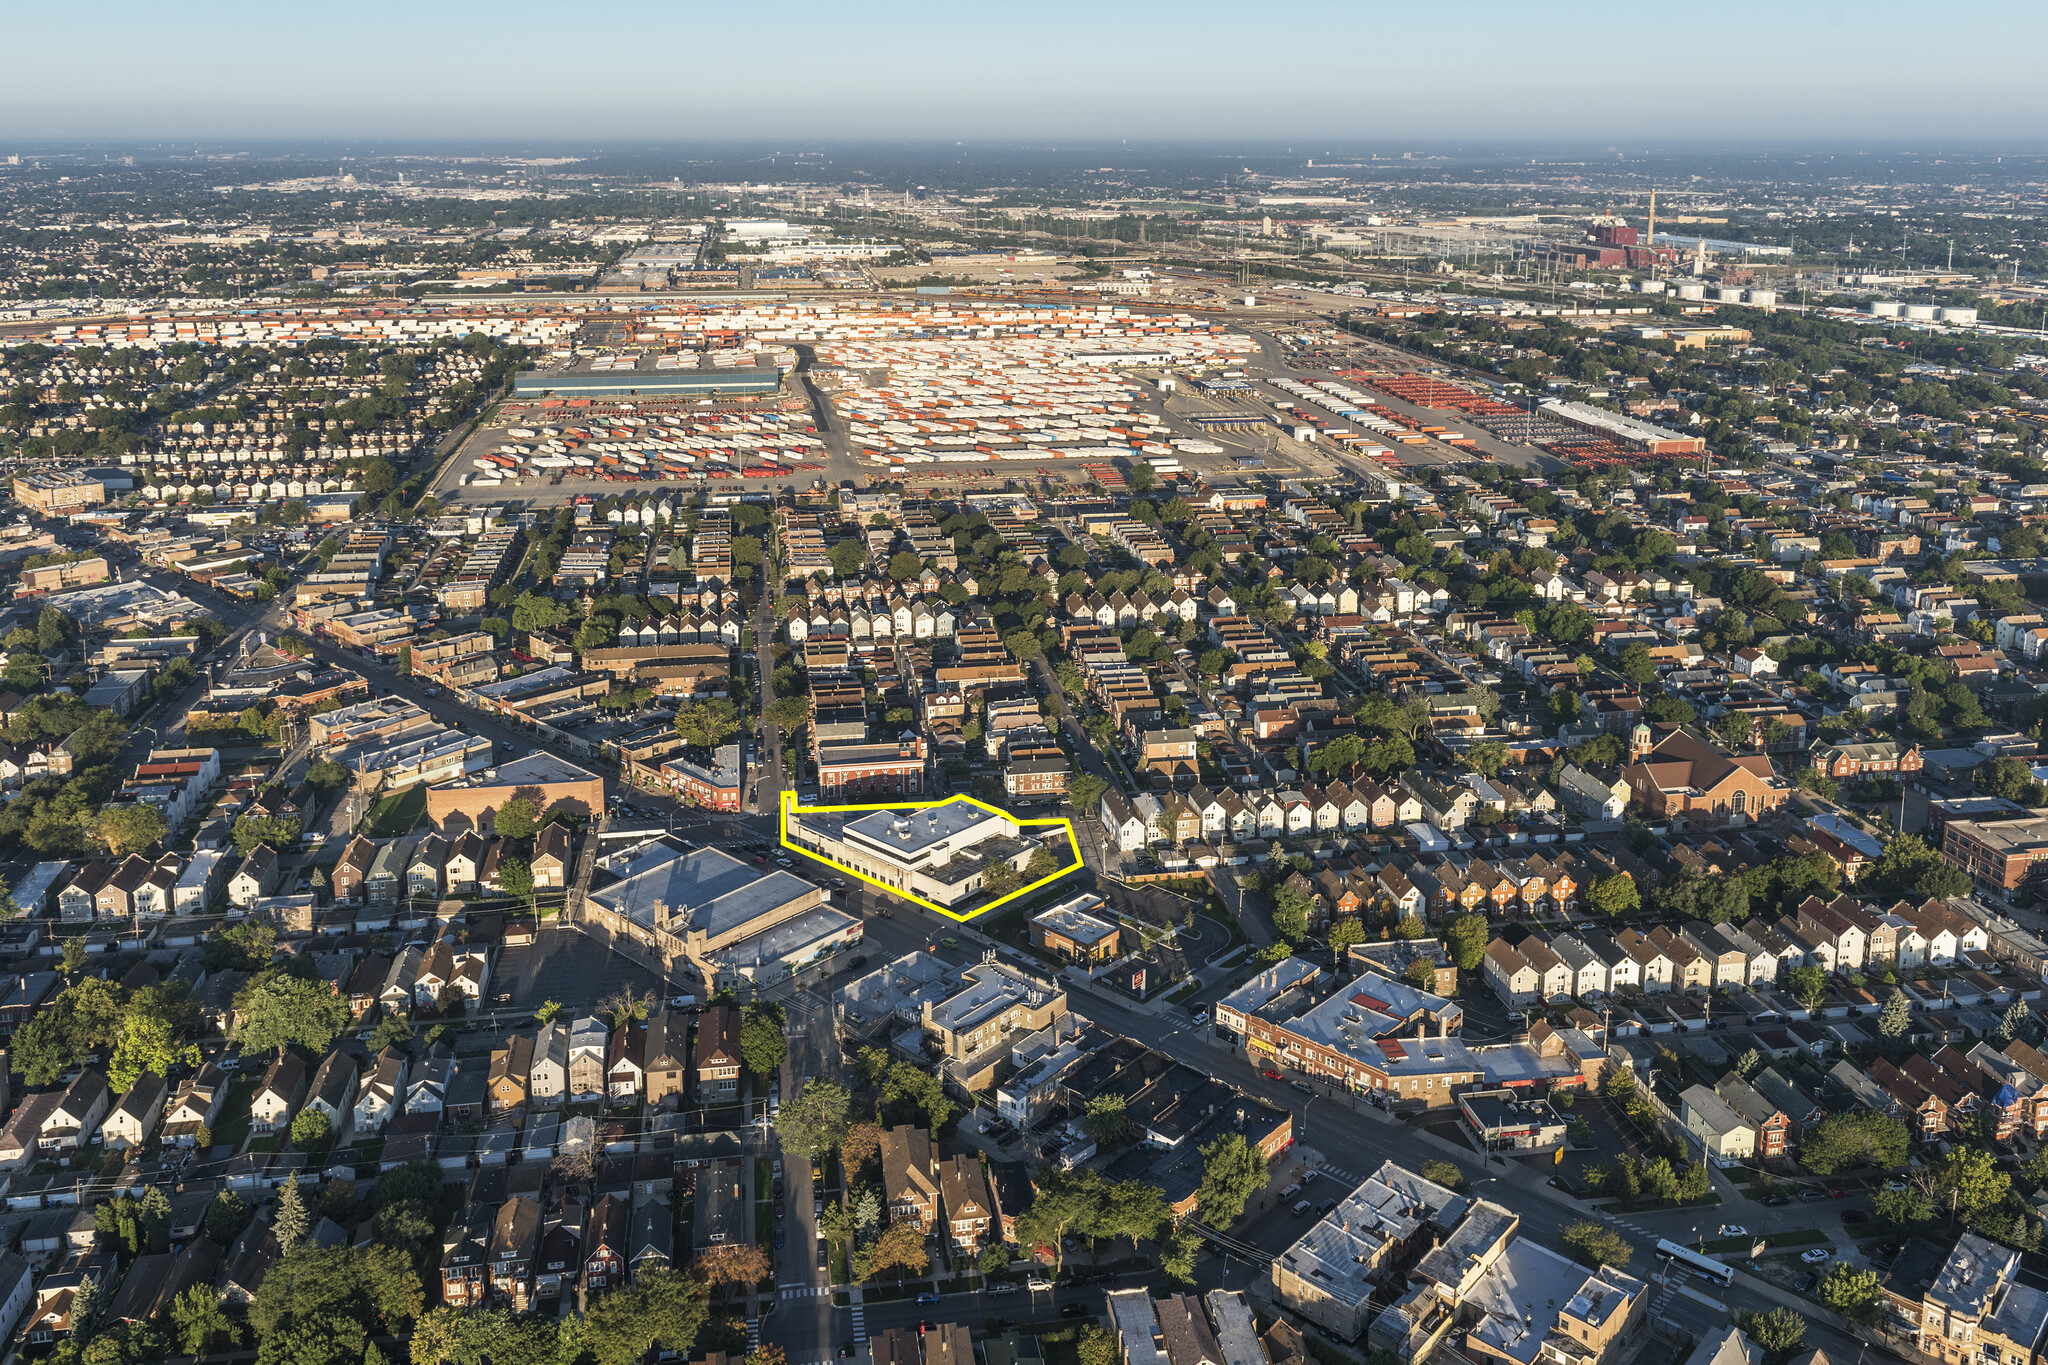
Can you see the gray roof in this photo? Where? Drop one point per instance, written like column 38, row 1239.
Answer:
column 713, row 891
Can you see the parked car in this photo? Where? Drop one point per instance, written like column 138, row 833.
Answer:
column 927, row 1297
column 1731, row 1230
column 1775, row 1201
column 1301, row 1206
column 1303, row 1086
column 1806, row 1283
column 1072, row 1310
column 1270, row 1074
column 1291, row 1190
column 1038, row 1286
column 1811, row 1193
column 1816, row 1256
column 1855, row 1216
column 1835, row 1192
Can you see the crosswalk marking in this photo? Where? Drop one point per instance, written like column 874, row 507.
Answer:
column 860, row 1323
column 804, row 1291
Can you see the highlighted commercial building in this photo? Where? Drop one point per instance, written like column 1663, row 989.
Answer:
column 937, row 854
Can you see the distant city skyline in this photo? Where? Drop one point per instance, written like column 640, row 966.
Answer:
column 1348, row 74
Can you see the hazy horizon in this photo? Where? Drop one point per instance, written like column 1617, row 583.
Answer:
column 1878, row 76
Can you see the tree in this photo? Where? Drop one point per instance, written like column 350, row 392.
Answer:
column 129, row 828
column 252, row 832
column 1094, row 1346
column 1232, row 1172
column 1067, row 1201
column 762, row 1044
column 1590, row 1244
column 789, row 714
column 1779, row 1331
column 197, row 1322
column 312, row 1129
column 324, row 775
column 1843, row 1141
column 1808, row 985
column 659, row 1310
column 1410, row 926
column 392, row 1031
column 1911, row 870
column 622, row 1006
column 900, row 1248
column 1733, row 728
column 861, row 1147
column 376, row 1288
column 1467, row 936
column 707, row 724
column 1967, row 1180
column 226, row 1216
column 1444, row 1173
column 1615, row 895
column 1000, row 878
column 2018, row 1023
column 1044, row 863
column 1852, row 1292
column 1084, row 792
column 1105, row 1120
column 911, row 1092
column 515, row 878
column 1896, row 1017
column 1345, row 930
column 1291, row 908
column 1486, row 758
column 149, row 1043
column 814, row 1120
column 284, row 1011
column 323, row 1339
column 734, row 1263
column 242, row 948
column 518, row 818
column 1909, row 1208
column 1177, row 1257
column 290, row 1224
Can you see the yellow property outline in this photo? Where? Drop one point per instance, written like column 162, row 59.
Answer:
column 789, row 807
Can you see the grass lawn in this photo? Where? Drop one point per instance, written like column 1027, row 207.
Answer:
column 1186, row 992
column 234, row 1123
column 1056, row 1344
column 398, row 812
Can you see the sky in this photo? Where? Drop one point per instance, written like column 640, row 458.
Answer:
column 1359, row 74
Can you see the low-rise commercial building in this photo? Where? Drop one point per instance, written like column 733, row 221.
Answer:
column 941, row 853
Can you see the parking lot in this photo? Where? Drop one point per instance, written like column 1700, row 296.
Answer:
column 1613, row 1134
column 1270, row 1223
column 565, row 966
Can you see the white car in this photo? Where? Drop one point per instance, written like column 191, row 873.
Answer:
column 1816, row 1256
column 1732, row 1230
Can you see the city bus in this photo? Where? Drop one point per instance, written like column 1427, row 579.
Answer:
column 1706, row 1267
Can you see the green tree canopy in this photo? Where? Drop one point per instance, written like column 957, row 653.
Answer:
column 762, row 1045
column 280, row 1010
column 1232, row 1172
